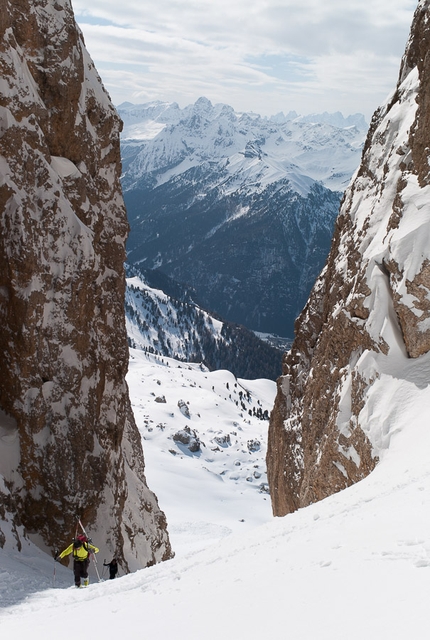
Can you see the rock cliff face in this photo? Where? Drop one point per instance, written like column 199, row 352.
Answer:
column 369, row 312
column 68, row 442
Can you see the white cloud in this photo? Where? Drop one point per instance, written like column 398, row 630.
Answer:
column 261, row 55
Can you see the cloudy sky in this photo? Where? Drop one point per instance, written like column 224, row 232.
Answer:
column 256, row 55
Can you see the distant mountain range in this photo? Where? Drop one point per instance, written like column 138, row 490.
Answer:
column 237, row 206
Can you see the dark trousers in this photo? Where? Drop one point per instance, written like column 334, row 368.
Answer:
column 80, row 569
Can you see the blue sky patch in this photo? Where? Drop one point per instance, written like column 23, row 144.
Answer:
column 288, row 68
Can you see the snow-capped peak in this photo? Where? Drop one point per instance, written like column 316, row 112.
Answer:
column 165, row 141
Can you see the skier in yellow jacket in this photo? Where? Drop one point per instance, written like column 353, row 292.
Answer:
column 81, row 549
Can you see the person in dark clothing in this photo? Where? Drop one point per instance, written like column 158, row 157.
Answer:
column 113, row 568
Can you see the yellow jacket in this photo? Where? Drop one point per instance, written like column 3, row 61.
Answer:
column 81, row 553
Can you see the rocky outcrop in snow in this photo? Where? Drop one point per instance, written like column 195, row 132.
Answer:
column 369, row 312
column 68, row 442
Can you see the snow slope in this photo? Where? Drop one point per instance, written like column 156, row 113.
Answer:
column 150, row 310
column 171, row 324
column 222, row 487
column 354, row 566
column 210, row 493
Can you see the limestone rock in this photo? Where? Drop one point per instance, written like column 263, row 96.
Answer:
column 68, row 442
column 370, row 307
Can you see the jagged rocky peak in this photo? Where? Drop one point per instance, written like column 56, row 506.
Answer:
column 368, row 316
column 68, row 442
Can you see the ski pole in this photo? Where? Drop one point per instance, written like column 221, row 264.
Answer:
column 55, row 565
